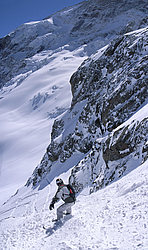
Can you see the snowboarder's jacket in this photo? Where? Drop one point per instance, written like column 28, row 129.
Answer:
column 64, row 192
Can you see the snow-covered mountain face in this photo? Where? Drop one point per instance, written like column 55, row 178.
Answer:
column 91, row 23
column 37, row 61
column 103, row 132
column 94, row 130
column 28, row 106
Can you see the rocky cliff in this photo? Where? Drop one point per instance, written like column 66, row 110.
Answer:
column 103, row 125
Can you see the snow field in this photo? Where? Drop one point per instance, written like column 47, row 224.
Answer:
column 27, row 113
column 113, row 218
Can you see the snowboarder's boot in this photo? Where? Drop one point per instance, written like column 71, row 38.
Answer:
column 56, row 220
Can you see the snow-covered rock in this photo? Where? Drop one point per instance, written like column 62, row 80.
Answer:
column 114, row 155
column 107, row 89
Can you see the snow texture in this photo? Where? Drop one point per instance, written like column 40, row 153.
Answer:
column 112, row 218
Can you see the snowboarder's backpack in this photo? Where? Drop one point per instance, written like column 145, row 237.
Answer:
column 72, row 192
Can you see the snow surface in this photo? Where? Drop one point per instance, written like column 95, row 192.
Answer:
column 27, row 113
column 115, row 217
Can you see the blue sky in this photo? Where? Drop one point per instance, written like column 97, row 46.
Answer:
column 16, row 12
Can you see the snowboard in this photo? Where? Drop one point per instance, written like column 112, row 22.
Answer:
column 55, row 225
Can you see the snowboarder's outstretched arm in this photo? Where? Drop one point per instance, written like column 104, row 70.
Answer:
column 56, row 198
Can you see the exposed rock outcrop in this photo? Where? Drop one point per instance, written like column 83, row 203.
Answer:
column 112, row 157
column 108, row 89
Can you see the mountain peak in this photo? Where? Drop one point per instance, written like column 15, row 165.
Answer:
column 90, row 23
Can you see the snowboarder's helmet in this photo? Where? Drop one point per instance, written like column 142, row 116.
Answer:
column 59, row 182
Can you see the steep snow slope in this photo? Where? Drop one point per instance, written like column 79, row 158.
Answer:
column 27, row 112
column 112, row 218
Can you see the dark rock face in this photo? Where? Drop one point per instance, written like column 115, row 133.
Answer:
column 110, row 158
column 108, row 89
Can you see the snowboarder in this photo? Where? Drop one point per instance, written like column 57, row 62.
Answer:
column 67, row 194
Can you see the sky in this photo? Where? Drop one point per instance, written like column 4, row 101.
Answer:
column 13, row 13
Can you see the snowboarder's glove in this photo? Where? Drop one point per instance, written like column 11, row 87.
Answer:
column 51, row 206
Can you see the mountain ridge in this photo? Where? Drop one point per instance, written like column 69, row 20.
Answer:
column 74, row 27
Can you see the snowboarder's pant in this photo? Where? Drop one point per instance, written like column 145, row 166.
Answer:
column 64, row 207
